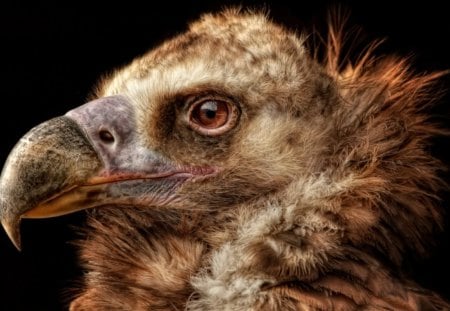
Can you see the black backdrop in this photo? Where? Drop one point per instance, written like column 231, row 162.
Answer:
column 53, row 54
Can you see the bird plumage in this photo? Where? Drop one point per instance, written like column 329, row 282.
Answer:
column 323, row 182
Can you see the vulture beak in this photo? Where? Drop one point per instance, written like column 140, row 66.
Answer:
column 93, row 156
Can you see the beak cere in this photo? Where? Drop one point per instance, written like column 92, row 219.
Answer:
column 90, row 157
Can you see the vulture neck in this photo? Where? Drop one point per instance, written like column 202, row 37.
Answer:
column 244, row 258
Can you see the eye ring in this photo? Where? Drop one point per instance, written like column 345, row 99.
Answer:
column 212, row 117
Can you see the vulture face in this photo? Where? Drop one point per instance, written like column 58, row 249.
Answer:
column 230, row 170
column 208, row 120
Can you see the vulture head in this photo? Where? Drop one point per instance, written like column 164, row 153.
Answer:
column 231, row 169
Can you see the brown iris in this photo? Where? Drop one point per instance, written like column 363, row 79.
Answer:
column 212, row 116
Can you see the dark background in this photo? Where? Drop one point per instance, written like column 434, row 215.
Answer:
column 53, row 55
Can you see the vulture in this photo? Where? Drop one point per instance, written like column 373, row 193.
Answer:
column 238, row 167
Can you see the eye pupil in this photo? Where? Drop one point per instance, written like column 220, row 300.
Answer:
column 211, row 114
column 209, row 109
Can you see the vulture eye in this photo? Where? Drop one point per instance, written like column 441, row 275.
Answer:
column 212, row 117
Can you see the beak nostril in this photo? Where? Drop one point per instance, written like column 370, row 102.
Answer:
column 106, row 136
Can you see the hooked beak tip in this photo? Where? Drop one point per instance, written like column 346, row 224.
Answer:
column 12, row 228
